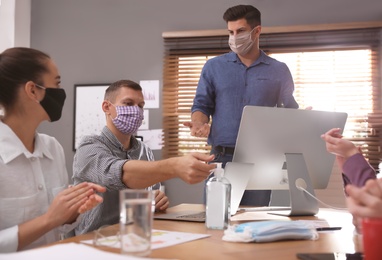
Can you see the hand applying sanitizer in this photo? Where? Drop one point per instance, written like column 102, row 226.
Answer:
column 218, row 191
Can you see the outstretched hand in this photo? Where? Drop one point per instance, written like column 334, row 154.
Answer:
column 198, row 129
column 193, row 168
column 343, row 149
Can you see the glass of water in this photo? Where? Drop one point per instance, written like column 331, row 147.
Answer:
column 136, row 217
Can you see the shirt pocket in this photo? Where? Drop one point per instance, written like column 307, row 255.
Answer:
column 264, row 92
column 18, row 210
column 266, row 87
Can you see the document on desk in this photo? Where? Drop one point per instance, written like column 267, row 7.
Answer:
column 254, row 216
column 159, row 239
column 65, row 252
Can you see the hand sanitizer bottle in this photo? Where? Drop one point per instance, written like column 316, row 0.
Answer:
column 218, row 192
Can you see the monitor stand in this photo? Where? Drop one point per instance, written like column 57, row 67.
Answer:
column 302, row 204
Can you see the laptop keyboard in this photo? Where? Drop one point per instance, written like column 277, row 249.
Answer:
column 199, row 215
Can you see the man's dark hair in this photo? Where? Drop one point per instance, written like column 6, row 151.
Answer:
column 251, row 14
column 112, row 91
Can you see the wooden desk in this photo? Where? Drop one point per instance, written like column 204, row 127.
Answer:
column 215, row 248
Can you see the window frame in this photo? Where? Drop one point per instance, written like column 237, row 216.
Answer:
column 272, row 39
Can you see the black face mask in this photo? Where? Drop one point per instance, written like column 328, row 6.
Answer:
column 53, row 102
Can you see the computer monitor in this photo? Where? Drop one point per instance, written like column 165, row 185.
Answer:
column 282, row 149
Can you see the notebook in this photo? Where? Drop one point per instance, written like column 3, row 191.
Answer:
column 187, row 215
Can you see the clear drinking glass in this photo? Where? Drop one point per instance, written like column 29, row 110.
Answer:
column 136, row 219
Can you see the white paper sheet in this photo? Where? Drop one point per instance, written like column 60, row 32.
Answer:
column 159, row 239
column 150, row 89
column 67, row 251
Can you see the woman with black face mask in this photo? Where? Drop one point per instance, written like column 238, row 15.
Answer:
column 36, row 204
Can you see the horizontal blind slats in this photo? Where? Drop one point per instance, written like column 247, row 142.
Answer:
column 347, row 85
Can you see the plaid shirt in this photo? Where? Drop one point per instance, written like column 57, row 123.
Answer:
column 100, row 159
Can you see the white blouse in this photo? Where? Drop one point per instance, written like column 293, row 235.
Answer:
column 28, row 184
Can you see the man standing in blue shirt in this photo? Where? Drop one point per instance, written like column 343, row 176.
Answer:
column 245, row 76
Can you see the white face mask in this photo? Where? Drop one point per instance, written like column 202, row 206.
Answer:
column 242, row 43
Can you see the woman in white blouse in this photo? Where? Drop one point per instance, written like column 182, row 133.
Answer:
column 36, row 204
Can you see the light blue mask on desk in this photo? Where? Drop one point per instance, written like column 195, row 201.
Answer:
column 269, row 231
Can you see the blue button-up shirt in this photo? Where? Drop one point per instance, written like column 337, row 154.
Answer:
column 226, row 85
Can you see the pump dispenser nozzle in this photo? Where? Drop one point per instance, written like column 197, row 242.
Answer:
column 219, row 172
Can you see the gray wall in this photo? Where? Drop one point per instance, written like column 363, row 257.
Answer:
column 101, row 41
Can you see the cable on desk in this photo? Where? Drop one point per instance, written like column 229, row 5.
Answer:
column 314, row 197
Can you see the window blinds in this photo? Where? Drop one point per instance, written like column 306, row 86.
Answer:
column 337, row 70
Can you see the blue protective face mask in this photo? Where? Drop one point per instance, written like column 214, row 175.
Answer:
column 268, row 231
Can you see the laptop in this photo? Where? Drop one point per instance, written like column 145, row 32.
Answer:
column 186, row 215
column 238, row 174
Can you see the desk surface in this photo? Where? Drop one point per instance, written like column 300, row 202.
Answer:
column 214, row 247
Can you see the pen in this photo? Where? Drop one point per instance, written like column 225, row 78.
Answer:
column 328, row 228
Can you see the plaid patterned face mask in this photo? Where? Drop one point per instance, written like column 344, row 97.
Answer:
column 128, row 119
